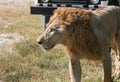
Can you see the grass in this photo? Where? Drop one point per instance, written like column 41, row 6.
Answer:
column 25, row 61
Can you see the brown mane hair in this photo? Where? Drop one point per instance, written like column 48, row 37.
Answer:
column 77, row 23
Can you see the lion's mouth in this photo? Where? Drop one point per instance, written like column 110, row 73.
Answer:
column 47, row 47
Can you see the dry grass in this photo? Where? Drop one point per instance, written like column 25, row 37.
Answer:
column 25, row 61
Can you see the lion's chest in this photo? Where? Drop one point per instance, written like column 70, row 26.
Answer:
column 88, row 48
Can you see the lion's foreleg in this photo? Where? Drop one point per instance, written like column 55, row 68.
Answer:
column 75, row 71
column 107, row 67
column 117, row 58
column 117, row 68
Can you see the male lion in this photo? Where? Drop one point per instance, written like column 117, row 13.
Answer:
column 84, row 34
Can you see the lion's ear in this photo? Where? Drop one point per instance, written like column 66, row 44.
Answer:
column 75, row 16
column 67, row 19
column 72, row 17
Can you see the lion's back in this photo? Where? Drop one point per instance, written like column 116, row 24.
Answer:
column 116, row 9
column 109, row 17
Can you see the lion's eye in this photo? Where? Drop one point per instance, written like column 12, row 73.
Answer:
column 57, row 26
column 51, row 30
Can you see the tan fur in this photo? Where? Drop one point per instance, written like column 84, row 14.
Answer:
column 84, row 34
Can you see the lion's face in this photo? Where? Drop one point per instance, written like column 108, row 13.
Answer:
column 54, row 34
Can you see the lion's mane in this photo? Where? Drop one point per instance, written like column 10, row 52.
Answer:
column 83, row 41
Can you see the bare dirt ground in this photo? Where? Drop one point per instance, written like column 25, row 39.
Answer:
column 10, row 38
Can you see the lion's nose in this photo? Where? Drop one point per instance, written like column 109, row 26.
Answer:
column 40, row 40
